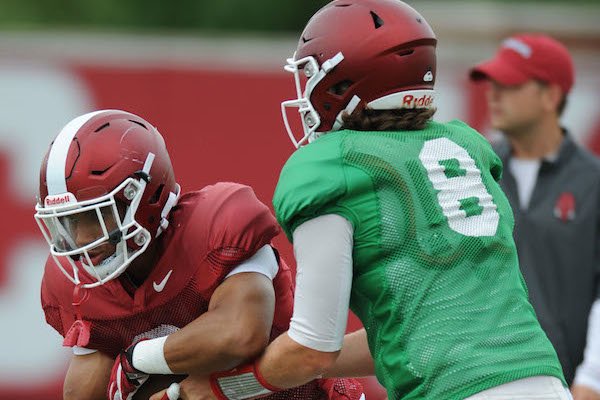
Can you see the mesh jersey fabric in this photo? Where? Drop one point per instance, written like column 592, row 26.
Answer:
column 436, row 281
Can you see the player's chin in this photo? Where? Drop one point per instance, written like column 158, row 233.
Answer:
column 155, row 384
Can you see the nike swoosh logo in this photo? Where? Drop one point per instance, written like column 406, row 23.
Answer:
column 160, row 286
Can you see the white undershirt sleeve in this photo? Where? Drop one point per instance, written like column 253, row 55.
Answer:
column 264, row 262
column 323, row 250
column 588, row 372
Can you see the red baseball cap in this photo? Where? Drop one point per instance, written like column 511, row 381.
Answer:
column 528, row 56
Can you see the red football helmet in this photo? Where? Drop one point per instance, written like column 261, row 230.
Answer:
column 359, row 53
column 110, row 169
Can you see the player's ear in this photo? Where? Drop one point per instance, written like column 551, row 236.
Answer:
column 552, row 96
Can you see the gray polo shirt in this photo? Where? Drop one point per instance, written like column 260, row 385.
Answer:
column 558, row 240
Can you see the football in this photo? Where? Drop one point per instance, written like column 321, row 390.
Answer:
column 156, row 383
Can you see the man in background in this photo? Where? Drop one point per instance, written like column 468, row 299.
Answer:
column 553, row 186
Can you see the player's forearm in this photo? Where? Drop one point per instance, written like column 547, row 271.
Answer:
column 213, row 343
column 235, row 328
column 88, row 389
column 355, row 358
column 87, row 377
column 287, row 364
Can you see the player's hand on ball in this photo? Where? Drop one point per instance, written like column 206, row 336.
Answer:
column 124, row 379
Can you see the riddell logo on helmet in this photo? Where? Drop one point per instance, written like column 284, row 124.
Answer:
column 59, row 200
column 410, row 101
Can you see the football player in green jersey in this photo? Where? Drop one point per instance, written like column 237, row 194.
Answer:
column 400, row 219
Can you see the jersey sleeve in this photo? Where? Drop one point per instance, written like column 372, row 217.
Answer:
column 239, row 225
column 310, row 184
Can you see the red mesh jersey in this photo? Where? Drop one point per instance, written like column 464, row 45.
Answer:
column 210, row 232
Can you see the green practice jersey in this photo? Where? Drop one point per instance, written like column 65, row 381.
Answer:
column 436, row 281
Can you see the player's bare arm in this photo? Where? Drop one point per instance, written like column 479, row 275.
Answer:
column 87, row 377
column 312, row 344
column 299, row 365
column 244, row 304
column 355, row 358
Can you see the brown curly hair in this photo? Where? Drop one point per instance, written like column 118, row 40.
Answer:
column 367, row 119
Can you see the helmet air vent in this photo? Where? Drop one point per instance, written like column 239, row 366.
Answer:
column 404, row 53
column 99, row 172
column 340, row 88
column 377, row 21
column 106, row 125
column 139, row 123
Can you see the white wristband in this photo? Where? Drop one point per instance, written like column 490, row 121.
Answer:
column 173, row 391
column 149, row 357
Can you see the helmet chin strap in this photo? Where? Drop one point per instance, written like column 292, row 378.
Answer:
column 354, row 101
column 171, row 202
column 310, row 132
column 136, row 201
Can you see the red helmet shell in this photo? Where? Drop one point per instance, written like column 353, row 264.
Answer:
column 109, row 147
column 388, row 47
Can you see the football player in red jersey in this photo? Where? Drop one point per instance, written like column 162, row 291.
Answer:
column 143, row 280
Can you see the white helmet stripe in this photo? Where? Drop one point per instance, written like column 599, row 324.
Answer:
column 57, row 159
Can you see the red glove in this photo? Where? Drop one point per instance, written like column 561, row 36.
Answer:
column 242, row 382
column 341, row 389
column 124, row 379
